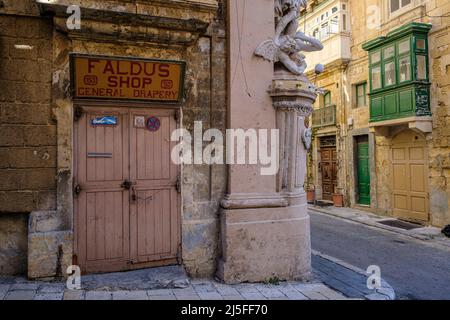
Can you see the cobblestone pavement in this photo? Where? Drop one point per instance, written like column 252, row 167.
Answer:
column 20, row 289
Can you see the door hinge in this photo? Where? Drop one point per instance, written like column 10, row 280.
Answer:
column 177, row 115
column 179, row 258
column 178, row 184
column 77, row 113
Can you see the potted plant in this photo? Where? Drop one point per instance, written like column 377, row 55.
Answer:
column 338, row 198
column 311, row 194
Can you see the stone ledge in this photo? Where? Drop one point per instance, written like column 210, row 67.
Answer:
column 43, row 221
column 423, row 124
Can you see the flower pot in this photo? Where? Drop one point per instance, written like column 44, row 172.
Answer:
column 311, row 196
column 338, row 200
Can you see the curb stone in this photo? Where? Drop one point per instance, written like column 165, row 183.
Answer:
column 386, row 292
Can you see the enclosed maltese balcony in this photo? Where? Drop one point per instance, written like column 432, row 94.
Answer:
column 328, row 22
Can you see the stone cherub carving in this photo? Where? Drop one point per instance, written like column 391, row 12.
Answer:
column 288, row 43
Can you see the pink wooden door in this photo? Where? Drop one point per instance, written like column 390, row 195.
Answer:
column 101, row 204
column 154, row 206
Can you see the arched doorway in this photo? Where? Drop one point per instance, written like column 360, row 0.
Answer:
column 410, row 198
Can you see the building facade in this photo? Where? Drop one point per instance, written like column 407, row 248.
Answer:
column 392, row 143
column 77, row 186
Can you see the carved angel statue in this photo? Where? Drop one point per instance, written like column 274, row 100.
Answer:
column 288, row 43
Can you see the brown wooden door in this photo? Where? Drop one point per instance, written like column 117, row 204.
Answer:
column 329, row 172
column 155, row 234
column 118, row 227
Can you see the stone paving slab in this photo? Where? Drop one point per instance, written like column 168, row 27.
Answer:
column 20, row 295
column 146, row 279
column 200, row 290
column 98, row 295
column 49, row 296
column 130, row 295
column 197, row 289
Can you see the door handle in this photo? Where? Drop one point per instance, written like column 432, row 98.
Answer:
column 127, row 184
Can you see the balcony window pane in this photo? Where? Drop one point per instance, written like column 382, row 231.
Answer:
column 327, row 99
column 403, row 47
column 334, row 25
column 376, row 57
column 405, row 69
column 421, row 68
column 389, row 74
column 344, row 22
column 389, row 52
column 420, row 44
column 324, row 31
column 376, row 78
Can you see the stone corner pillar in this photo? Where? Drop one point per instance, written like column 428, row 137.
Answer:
column 265, row 227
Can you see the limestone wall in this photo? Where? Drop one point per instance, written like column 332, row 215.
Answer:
column 27, row 129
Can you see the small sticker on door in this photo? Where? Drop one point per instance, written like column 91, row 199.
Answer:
column 104, row 121
column 139, row 122
column 153, row 124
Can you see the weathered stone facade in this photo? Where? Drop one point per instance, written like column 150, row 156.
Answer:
column 36, row 118
column 369, row 20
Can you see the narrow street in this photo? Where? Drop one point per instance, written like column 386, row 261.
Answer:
column 414, row 268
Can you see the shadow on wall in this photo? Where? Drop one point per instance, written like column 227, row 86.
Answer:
column 13, row 243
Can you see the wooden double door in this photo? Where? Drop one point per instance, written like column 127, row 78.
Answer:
column 328, row 157
column 127, row 206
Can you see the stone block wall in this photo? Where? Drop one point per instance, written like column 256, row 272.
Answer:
column 27, row 129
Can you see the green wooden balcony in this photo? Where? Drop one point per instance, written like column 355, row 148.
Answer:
column 399, row 73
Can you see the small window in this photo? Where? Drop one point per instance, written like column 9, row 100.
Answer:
column 334, row 10
column 376, row 78
column 361, row 95
column 399, row 4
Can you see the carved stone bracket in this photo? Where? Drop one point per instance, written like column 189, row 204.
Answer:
column 293, row 95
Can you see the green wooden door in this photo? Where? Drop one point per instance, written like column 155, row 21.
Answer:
column 363, row 173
